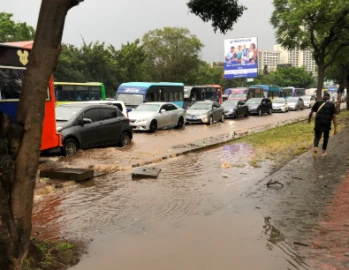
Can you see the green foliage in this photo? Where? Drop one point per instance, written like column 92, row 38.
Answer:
column 339, row 70
column 172, row 55
column 12, row 31
column 209, row 75
column 287, row 76
column 130, row 61
column 223, row 13
column 95, row 62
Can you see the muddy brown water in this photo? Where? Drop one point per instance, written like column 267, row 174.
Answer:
column 194, row 216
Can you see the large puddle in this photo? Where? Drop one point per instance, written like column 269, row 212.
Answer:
column 194, row 216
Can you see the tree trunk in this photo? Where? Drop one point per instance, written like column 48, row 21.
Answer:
column 321, row 78
column 19, row 161
column 339, row 97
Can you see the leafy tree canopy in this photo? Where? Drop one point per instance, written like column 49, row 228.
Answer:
column 12, row 31
column 172, row 55
column 209, row 75
column 287, row 76
column 222, row 13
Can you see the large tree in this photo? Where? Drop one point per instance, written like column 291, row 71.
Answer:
column 208, row 74
column 14, row 31
column 20, row 141
column 19, row 159
column 319, row 25
column 172, row 55
column 339, row 73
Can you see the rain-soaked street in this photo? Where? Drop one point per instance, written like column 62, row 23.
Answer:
column 152, row 147
column 194, row 216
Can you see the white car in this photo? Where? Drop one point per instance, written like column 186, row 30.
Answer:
column 151, row 116
column 117, row 103
column 309, row 101
column 280, row 105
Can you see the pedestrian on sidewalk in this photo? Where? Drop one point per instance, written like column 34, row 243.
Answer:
column 325, row 114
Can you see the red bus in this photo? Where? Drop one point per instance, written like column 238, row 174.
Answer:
column 217, row 89
column 13, row 62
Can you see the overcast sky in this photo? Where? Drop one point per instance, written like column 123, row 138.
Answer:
column 119, row 21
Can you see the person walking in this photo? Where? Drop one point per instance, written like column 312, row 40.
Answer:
column 325, row 114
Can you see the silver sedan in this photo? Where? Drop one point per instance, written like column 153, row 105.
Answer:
column 205, row 112
column 151, row 116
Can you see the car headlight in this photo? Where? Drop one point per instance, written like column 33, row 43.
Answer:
column 142, row 120
column 58, row 129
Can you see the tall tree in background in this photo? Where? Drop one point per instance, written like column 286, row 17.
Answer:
column 339, row 73
column 130, row 61
column 319, row 25
column 19, row 160
column 172, row 55
column 208, row 74
column 12, row 31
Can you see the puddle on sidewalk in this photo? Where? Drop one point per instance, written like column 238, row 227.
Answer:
column 194, row 216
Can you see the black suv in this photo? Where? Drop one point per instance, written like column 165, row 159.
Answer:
column 86, row 126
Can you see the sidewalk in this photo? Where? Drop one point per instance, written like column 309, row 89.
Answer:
column 312, row 207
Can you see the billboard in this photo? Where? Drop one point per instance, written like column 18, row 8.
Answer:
column 241, row 58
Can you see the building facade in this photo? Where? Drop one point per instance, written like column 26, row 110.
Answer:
column 268, row 58
column 297, row 58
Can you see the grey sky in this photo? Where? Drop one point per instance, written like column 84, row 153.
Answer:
column 119, row 21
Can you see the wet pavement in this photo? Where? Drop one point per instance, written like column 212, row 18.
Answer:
column 151, row 148
column 194, row 216
column 311, row 210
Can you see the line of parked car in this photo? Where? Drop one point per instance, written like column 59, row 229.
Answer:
column 92, row 124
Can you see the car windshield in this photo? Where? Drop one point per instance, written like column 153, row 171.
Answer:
column 65, row 113
column 279, row 100
column 254, row 101
column 292, row 100
column 201, row 106
column 229, row 103
column 147, row 108
column 130, row 99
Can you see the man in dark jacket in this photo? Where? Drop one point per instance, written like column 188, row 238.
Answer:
column 325, row 114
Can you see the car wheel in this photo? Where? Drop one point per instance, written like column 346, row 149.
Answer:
column 70, row 147
column 269, row 112
column 125, row 139
column 153, row 126
column 260, row 112
column 180, row 123
column 210, row 122
column 222, row 119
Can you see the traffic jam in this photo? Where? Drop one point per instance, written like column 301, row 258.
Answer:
column 76, row 112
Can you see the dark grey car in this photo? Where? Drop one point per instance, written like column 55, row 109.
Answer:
column 86, row 126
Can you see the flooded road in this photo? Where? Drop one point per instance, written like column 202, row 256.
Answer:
column 152, row 147
column 194, row 216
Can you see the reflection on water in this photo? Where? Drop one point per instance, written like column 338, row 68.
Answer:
column 277, row 240
column 194, row 201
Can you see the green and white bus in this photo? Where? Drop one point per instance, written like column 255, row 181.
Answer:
column 67, row 92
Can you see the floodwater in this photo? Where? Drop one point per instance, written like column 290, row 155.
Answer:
column 194, row 216
column 151, row 147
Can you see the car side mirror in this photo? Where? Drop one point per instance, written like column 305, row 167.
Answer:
column 85, row 121
column 162, row 111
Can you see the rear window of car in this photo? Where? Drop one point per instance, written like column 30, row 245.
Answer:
column 108, row 113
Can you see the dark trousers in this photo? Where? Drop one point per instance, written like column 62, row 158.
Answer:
column 318, row 135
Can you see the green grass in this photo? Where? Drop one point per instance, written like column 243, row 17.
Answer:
column 284, row 143
column 53, row 254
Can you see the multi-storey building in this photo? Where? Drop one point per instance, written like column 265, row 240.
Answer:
column 297, row 58
column 268, row 58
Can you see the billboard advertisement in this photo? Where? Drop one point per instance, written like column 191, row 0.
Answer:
column 241, row 58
